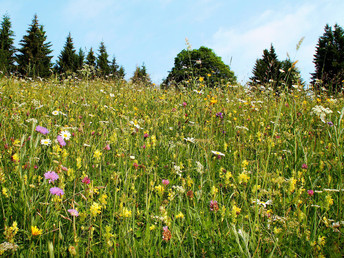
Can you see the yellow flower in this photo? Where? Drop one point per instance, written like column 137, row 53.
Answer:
column 180, row 215
column 126, row 213
column 97, row 154
column 159, row 189
column 35, row 231
column 243, row 178
column 201, row 79
column 95, row 209
column 15, row 157
column 102, row 199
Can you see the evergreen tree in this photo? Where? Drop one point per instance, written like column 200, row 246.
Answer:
column 114, row 67
column 116, row 70
column 291, row 74
column 102, row 61
column 267, row 69
column 7, row 49
column 80, row 59
column 202, row 62
column 329, row 59
column 121, row 73
column 33, row 58
column 141, row 76
column 91, row 59
column 67, row 60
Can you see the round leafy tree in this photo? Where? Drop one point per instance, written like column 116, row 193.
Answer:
column 202, row 62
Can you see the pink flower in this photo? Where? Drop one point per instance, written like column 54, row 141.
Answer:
column 107, row 147
column 56, row 191
column 61, row 141
column 42, row 129
column 310, row 192
column 64, row 168
column 73, row 212
column 86, row 180
column 184, row 104
column 214, row 205
column 145, row 135
column 52, row 176
column 304, row 166
column 165, row 182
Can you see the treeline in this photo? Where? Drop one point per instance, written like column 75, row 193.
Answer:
column 33, row 58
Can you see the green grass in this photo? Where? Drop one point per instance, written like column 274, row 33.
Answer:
column 276, row 149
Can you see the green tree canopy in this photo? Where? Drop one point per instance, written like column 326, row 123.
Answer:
column 7, row 49
column 116, row 71
column 141, row 76
column 329, row 59
column 202, row 62
column 67, row 60
column 268, row 70
column 102, row 61
column 34, row 55
column 91, row 58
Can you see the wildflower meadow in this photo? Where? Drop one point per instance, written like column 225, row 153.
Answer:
column 114, row 169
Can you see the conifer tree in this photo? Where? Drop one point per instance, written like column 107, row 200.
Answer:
column 80, row 59
column 121, row 73
column 102, row 61
column 329, row 60
column 91, row 59
column 7, row 49
column 67, row 60
column 266, row 69
column 141, row 76
column 34, row 55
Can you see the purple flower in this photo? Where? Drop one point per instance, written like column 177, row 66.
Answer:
column 56, row 191
column 61, row 140
column 330, row 123
column 42, row 129
column 220, row 115
column 52, row 176
column 73, row 212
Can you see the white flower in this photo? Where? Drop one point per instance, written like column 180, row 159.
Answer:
column 65, row 135
column 55, row 113
column 199, row 167
column 132, row 157
column 217, row 153
column 321, row 112
column 178, row 170
column 46, row 142
column 189, row 139
column 112, row 95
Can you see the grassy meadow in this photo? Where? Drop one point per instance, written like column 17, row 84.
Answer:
column 101, row 169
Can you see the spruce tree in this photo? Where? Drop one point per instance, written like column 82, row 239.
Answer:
column 67, row 60
column 7, row 49
column 267, row 69
column 91, row 59
column 329, row 60
column 141, row 76
column 102, row 61
column 34, row 55
column 114, row 67
column 80, row 59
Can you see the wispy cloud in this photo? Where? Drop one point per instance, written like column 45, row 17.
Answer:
column 283, row 28
column 87, row 9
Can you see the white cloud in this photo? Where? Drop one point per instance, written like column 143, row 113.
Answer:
column 87, row 9
column 283, row 28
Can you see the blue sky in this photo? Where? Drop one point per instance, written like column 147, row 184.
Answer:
column 154, row 31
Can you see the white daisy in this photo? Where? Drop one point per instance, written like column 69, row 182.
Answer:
column 217, row 153
column 55, row 113
column 65, row 135
column 46, row 142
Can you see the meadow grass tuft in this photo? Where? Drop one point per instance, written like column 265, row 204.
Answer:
column 96, row 168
